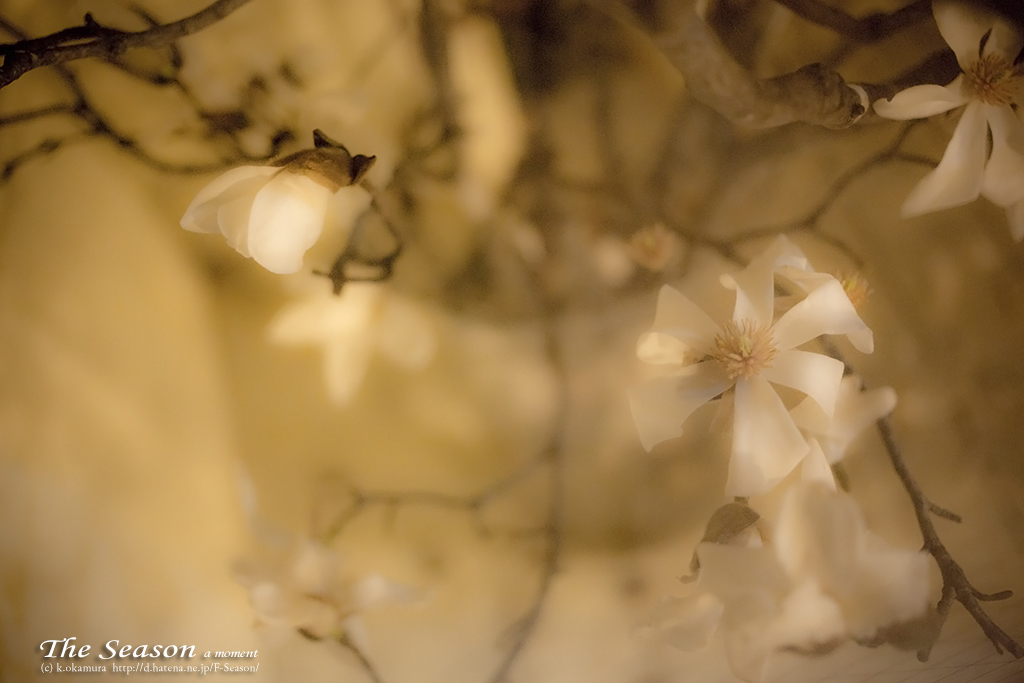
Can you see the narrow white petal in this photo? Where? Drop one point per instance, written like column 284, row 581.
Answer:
column 1015, row 215
column 815, row 467
column 661, row 405
column 287, row 218
column 814, row 374
column 958, row 177
column 199, row 217
column 826, row 310
column 857, row 411
column 1004, row 174
column 766, row 445
column 345, row 365
column 922, row 101
column 755, row 284
column 659, row 348
column 962, row 26
column 232, row 210
column 678, row 316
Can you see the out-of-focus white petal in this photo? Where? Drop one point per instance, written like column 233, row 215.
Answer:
column 659, row 348
column 678, row 316
column 826, row 310
column 1004, row 174
column 661, row 405
column 958, row 177
column 922, row 101
column 687, row 623
column 766, row 445
column 819, row 533
column 287, row 218
column 815, row 467
column 1015, row 216
column 735, row 573
column 201, row 214
column 345, row 365
column 755, row 284
column 376, row 589
column 406, row 334
column 855, row 410
column 808, row 618
column 814, row 374
column 893, row 585
column 962, row 26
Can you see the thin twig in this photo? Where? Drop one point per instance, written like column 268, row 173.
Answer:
column 955, row 584
column 105, row 43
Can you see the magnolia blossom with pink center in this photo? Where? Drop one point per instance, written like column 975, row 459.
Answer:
column 824, row 578
column 990, row 85
column 749, row 354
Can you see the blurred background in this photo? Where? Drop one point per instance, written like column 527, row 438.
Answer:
column 546, row 169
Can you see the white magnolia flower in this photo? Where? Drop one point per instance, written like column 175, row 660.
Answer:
column 351, row 326
column 824, row 579
column 310, row 593
column 750, row 352
column 273, row 214
column 855, row 410
column 986, row 46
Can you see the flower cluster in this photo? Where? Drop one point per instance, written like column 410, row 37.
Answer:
column 311, row 594
column 274, row 214
column 991, row 86
column 824, row 578
column 742, row 358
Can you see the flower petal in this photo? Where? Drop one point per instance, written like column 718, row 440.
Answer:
column 659, row 348
column 766, row 445
column 755, row 284
column 815, row 467
column 678, row 316
column 687, row 623
column 814, row 374
column 405, row 333
column 922, row 101
column 287, row 218
column 1004, row 174
column 826, row 310
column 962, row 27
column 1005, row 40
column 819, row 534
column 201, row 214
column 958, row 177
column 661, row 405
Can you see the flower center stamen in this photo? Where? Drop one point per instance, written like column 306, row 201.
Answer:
column 993, row 80
column 856, row 287
column 744, row 349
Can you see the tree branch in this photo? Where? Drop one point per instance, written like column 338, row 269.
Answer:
column 865, row 29
column 99, row 41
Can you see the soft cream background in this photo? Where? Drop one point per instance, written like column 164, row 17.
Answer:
column 136, row 383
